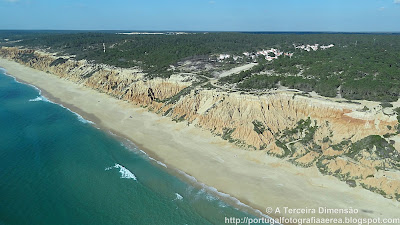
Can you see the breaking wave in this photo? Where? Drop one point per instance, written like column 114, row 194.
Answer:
column 39, row 98
column 178, row 196
column 125, row 173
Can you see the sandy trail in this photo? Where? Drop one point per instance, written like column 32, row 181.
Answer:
column 237, row 70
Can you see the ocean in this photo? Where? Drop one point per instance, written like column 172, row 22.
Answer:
column 58, row 168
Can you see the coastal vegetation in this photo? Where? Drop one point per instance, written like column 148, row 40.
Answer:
column 359, row 66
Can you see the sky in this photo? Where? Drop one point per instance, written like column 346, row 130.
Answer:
column 203, row 15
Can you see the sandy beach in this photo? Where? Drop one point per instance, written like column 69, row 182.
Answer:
column 252, row 177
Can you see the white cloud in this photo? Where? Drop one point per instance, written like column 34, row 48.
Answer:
column 382, row 8
column 396, row 1
column 213, row 2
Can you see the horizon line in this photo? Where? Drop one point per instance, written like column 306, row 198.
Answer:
column 211, row 31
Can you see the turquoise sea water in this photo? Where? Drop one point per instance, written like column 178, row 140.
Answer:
column 57, row 168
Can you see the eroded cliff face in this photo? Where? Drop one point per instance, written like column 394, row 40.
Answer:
column 340, row 139
column 127, row 84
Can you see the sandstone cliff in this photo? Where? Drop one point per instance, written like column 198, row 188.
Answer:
column 339, row 138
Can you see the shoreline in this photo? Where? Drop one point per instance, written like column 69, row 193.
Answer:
column 253, row 178
column 146, row 153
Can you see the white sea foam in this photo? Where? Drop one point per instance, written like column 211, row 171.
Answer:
column 39, row 98
column 36, row 99
column 222, row 204
column 125, row 173
column 15, row 79
column 158, row 162
column 162, row 164
column 215, row 191
column 178, row 196
column 143, row 152
column 42, row 98
column 131, row 146
column 109, row 168
column 211, row 197
column 79, row 117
